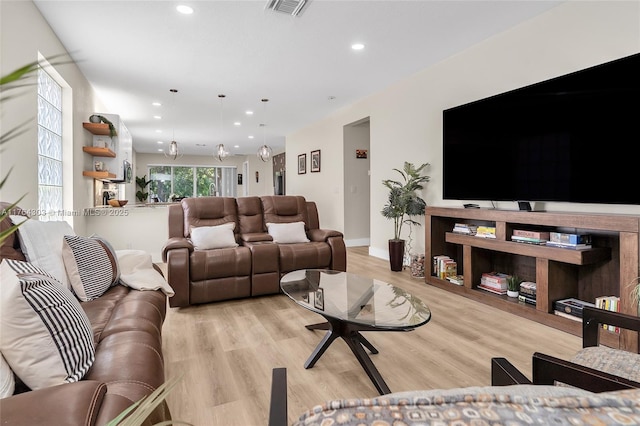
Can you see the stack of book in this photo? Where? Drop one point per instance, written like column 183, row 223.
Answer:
column 527, row 292
column 569, row 241
column 486, row 231
column 495, row 282
column 570, row 308
column 457, row 280
column 444, row 266
column 465, row 228
column 609, row 303
column 530, row 237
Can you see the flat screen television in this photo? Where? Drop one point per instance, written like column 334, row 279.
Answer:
column 569, row 139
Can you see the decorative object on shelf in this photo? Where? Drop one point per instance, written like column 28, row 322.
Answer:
column 513, row 285
column 315, row 161
column 142, row 183
column 403, row 204
column 264, row 152
column 174, row 152
column 221, row 153
column 100, row 118
column 302, row 164
column 361, row 153
column 417, row 265
column 98, row 166
column 118, row 203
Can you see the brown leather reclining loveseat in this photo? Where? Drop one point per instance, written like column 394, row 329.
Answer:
column 255, row 266
column 128, row 365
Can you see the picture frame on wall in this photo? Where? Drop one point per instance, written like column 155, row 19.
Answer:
column 302, row 164
column 315, row 161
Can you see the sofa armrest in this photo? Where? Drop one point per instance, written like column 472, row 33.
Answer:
column 592, row 318
column 176, row 243
column 70, row 404
column 547, row 370
column 278, row 404
column 323, row 234
column 503, row 373
column 178, row 276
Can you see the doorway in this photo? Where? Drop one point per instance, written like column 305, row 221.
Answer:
column 357, row 183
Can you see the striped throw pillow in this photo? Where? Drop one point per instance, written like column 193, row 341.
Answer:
column 45, row 336
column 91, row 264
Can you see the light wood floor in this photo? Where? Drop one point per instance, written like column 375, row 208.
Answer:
column 225, row 351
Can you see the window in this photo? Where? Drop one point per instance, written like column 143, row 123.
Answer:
column 191, row 181
column 49, row 145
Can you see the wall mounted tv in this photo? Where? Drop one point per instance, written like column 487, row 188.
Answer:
column 568, row 139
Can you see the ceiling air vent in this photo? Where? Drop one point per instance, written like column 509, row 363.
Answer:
column 290, row 7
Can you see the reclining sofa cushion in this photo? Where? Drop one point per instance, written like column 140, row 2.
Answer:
column 45, row 336
column 208, row 211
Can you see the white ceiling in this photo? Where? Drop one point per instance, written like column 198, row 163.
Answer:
column 133, row 52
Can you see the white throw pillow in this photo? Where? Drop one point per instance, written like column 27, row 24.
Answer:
column 45, row 336
column 91, row 264
column 7, row 380
column 286, row 233
column 41, row 243
column 213, row 237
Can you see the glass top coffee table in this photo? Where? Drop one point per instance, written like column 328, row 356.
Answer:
column 352, row 303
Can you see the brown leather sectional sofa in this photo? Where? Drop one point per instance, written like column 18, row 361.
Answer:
column 254, row 267
column 127, row 329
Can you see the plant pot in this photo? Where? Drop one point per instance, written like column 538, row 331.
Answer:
column 396, row 254
column 512, row 293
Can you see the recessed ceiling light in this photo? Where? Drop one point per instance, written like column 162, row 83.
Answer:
column 160, row 142
column 156, row 104
column 158, row 131
column 249, row 112
column 160, row 150
column 357, row 46
column 184, row 9
column 236, row 146
column 237, row 123
column 250, row 136
column 157, row 117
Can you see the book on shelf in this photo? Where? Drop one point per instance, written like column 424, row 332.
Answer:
column 566, row 315
column 568, row 246
column 437, row 263
column 571, row 306
column 528, row 240
column 497, row 277
column 486, row 232
column 526, row 299
column 528, row 287
column 450, row 269
column 538, row 235
column 561, row 237
column 609, row 303
column 465, row 228
column 457, row 280
column 492, row 290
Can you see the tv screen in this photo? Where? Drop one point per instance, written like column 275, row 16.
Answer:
column 568, row 139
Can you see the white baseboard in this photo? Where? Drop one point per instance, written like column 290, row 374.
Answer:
column 382, row 254
column 358, row 242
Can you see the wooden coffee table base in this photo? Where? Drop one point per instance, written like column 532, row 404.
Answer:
column 350, row 333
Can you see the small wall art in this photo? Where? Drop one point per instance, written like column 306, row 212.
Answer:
column 361, row 153
column 302, row 164
column 239, row 178
column 315, row 161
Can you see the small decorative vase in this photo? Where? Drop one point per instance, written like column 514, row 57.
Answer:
column 417, row 265
column 512, row 293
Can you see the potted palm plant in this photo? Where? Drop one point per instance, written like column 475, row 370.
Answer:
column 403, row 204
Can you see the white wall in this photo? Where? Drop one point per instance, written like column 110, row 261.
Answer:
column 406, row 118
column 24, row 34
column 357, row 192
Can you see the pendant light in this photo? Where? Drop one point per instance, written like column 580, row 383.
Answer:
column 221, row 152
column 264, row 152
column 174, row 152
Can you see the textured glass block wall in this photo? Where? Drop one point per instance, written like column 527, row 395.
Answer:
column 49, row 146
